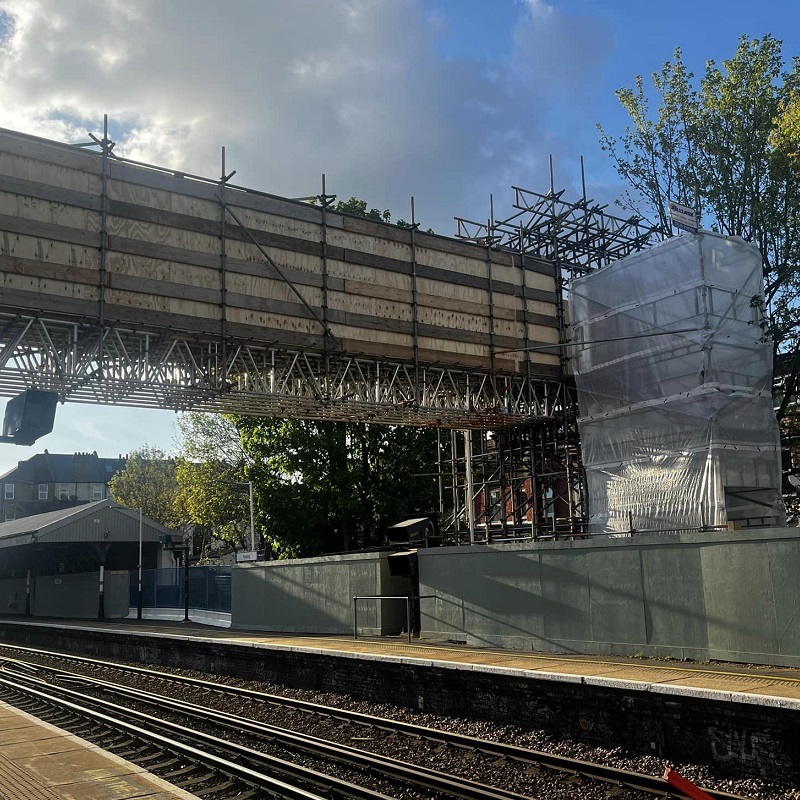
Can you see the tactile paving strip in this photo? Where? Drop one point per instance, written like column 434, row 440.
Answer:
column 17, row 784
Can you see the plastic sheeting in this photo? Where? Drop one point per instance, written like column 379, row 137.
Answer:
column 674, row 381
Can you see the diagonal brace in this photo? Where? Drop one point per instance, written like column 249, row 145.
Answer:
column 271, row 262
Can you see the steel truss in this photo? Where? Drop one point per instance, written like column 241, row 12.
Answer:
column 526, row 481
column 165, row 369
column 530, row 479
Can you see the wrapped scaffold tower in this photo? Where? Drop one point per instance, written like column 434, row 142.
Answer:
column 674, row 381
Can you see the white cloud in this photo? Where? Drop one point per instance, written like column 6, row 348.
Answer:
column 352, row 88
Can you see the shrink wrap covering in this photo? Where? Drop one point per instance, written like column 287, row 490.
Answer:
column 674, row 381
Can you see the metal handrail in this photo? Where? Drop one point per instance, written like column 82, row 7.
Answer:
column 407, row 597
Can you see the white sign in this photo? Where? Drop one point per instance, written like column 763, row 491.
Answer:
column 683, row 217
column 251, row 555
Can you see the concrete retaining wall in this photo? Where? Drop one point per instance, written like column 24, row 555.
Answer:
column 78, row 595
column 12, row 596
column 739, row 736
column 316, row 595
column 729, row 596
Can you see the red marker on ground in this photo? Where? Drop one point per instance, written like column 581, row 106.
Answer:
column 684, row 785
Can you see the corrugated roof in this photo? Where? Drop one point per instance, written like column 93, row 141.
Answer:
column 38, row 522
column 67, row 525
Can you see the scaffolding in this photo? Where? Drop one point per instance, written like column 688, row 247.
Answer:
column 527, row 481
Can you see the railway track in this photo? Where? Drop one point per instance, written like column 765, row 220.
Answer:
column 169, row 718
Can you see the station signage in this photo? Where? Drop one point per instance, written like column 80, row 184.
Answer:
column 683, row 217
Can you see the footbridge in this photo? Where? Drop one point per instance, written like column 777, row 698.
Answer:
column 123, row 283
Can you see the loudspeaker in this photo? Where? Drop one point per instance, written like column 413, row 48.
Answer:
column 30, row 415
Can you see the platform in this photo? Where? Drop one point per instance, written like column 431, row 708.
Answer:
column 41, row 762
column 759, row 685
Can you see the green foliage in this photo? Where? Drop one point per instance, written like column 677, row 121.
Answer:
column 325, row 486
column 359, row 208
column 725, row 146
column 786, row 136
column 148, row 482
column 212, row 480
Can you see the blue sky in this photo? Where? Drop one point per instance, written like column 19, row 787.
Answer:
column 448, row 100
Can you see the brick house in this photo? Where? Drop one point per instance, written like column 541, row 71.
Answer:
column 52, row 481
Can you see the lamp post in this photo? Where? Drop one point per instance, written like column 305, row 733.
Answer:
column 139, row 601
column 252, row 524
column 186, row 577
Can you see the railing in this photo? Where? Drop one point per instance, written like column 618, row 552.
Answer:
column 407, row 598
column 209, row 588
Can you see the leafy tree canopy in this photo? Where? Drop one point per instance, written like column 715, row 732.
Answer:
column 148, row 481
column 361, row 209
column 327, row 486
column 211, row 475
column 727, row 145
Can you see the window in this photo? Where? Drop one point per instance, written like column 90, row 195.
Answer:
column 43, row 491
column 97, row 491
column 9, row 493
column 10, row 514
column 63, row 491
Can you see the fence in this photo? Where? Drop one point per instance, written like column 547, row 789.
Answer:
column 209, row 588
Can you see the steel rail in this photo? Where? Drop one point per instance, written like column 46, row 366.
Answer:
column 598, row 772
column 416, row 775
column 249, row 776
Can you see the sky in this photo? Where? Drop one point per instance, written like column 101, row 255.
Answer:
column 447, row 101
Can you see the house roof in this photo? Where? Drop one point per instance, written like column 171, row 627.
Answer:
column 65, row 468
column 103, row 520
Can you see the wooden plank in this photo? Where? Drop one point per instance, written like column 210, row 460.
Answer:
column 378, row 230
column 163, row 252
column 33, row 302
column 445, row 244
column 290, row 227
column 136, row 267
column 167, row 253
column 454, row 264
column 174, row 181
column 535, row 264
column 48, row 192
column 159, row 288
column 62, row 155
column 48, row 269
column 163, row 234
column 35, row 210
column 47, row 230
column 211, row 227
column 537, row 319
column 366, row 289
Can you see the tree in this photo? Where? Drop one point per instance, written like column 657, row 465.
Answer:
column 360, row 208
column 148, row 481
column 211, row 475
column 327, row 486
column 728, row 148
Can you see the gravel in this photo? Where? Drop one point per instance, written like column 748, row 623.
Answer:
column 543, row 784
